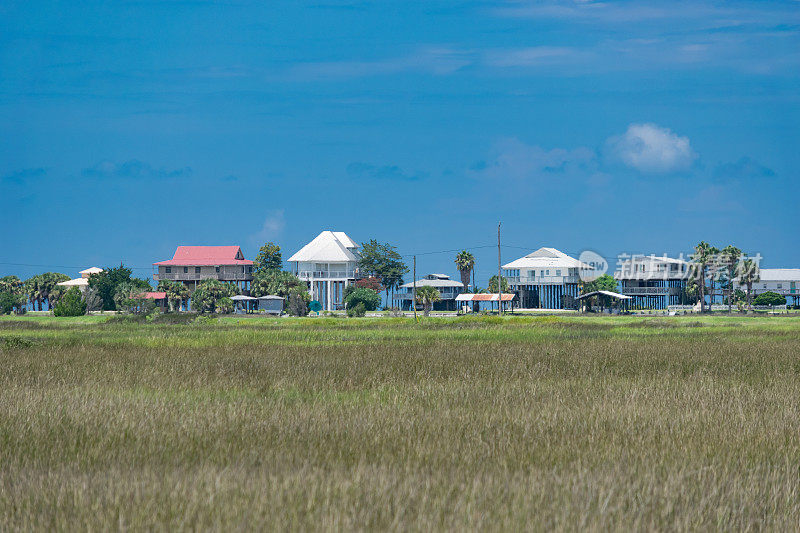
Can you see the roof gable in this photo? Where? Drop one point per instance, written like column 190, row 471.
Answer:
column 207, row 255
column 216, row 253
column 779, row 274
column 328, row 246
column 546, row 257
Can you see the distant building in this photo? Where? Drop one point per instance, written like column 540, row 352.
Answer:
column 784, row 281
column 328, row 264
column 653, row 282
column 160, row 299
column 545, row 279
column 192, row 264
column 448, row 291
column 83, row 281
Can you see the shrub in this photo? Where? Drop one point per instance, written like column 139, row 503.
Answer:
column 362, row 295
column 72, row 304
column 225, row 305
column 356, row 310
column 209, row 293
column 7, row 303
column 769, row 298
column 297, row 304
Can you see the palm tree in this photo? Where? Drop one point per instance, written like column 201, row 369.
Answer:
column 33, row 290
column 747, row 275
column 427, row 295
column 177, row 293
column 48, row 287
column 465, row 262
column 703, row 256
column 730, row 256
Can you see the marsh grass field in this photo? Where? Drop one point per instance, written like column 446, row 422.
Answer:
column 565, row 423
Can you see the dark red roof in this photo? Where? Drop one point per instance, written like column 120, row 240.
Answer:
column 207, row 256
column 484, row 297
column 154, row 295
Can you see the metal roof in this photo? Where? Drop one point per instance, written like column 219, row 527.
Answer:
column 779, row 274
column 328, row 247
column 615, row 295
column 546, row 258
column 154, row 295
column 91, row 270
column 77, row 282
column 206, row 256
column 270, row 297
column 483, row 297
column 242, row 298
column 438, row 282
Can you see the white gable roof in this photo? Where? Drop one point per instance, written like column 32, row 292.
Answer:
column 546, row 258
column 328, row 247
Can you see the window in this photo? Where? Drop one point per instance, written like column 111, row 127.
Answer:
column 780, row 285
column 196, row 270
column 169, row 270
column 249, row 269
column 242, row 269
column 185, row 270
column 558, row 272
column 217, row 269
column 547, row 272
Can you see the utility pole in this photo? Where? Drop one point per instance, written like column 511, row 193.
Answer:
column 499, row 276
column 414, row 296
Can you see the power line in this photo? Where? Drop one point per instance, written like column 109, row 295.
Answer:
column 67, row 266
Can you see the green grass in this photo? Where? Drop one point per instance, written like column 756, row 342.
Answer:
column 679, row 423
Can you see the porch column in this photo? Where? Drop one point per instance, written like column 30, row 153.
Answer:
column 330, row 302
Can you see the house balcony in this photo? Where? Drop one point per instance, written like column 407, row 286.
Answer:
column 192, row 276
column 542, row 280
column 326, row 274
column 410, row 295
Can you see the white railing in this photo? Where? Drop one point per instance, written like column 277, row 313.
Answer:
column 193, row 276
column 326, row 274
column 542, row 280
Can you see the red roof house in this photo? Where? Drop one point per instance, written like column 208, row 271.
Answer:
column 196, row 263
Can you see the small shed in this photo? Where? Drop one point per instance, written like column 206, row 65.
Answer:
column 272, row 305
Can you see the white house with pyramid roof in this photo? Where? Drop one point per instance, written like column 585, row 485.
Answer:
column 545, row 279
column 328, row 264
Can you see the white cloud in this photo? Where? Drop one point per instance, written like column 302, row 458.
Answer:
column 531, row 56
column 513, row 159
column 651, row 149
column 272, row 228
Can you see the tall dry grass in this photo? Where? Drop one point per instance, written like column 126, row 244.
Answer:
column 533, row 424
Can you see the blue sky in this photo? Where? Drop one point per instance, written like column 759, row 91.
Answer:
column 128, row 128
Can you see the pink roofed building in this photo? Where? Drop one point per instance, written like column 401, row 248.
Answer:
column 192, row 264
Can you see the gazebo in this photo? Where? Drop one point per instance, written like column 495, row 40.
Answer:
column 613, row 296
column 507, row 299
column 244, row 304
